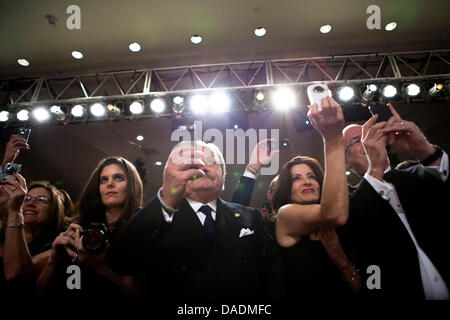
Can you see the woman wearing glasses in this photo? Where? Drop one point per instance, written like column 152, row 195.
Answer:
column 31, row 220
column 112, row 194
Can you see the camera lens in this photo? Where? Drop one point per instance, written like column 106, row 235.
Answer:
column 93, row 239
column 317, row 89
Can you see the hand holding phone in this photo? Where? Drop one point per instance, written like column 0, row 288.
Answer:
column 24, row 133
column 316, row 92
column 383, row 111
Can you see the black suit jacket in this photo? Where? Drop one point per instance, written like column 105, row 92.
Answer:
column 377, row 236
column 180, row 262
column 243, row 192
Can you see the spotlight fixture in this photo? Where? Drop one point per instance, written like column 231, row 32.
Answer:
column 412, row 90
column 41, row 114
column 198, row 104
column 23, row 115
column 347, row 173
column 113, row 110
column 158, row 163
column 436, row 89
column 139, row 138
column 345, row 93
column 260, row 32
column 196, row 39
column 390, row 26
column 389, row 91
column 259, row 95
column 284, row 98
column 178, row 104
column 137, row 107
column 23, row 62
column 369, row 94
column 134, row 47
column 4, row 116
column 77, row 55
column 219, row 102
column 57, row 112
column 325, row 29
column 98, row 109
column 78, row 110
column 158, row 105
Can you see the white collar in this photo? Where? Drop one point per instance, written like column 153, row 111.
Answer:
column 195, row 205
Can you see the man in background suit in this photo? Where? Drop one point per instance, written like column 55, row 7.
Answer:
column 192, row 245
column 398, row 219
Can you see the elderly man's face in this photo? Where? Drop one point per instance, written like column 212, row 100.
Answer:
column 202, row 157
column 355, row 154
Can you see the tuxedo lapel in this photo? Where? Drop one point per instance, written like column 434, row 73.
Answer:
column 226, row 235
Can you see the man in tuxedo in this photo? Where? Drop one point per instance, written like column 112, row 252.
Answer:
column 190, row 244
column 398, row 219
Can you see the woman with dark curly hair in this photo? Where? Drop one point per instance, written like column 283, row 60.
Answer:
column 310, row 205
column 111, row 195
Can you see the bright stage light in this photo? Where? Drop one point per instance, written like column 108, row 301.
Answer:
column 23, row 115
column 345, row 93
column 219, row 102
column 284, row 98
column 158, row 105
column 198, row 104
column 412, row 90
column 78, row 110
column 98, row 109
column 41, row 114
column 4, row 116
column 137, row 107
column 389, row 91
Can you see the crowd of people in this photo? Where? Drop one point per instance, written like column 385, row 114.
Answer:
column 316, row 237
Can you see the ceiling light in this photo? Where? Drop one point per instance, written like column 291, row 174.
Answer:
column 137, row 107
column 158, row 105
column 198, row 104
column 41, row 114
column 23, row 62
column 260, row 32
column 134, row 47
column 347, row 173
column 139, row 138
column 57, row 112
column 4, row 116
column 325, row 29
column 389, row 91
column 259, row 96
column 178, row 104
column 345, row 93
column 369, row 94
column 219, row 102
column 196, row 39
column 284, row 98
column 412, row 90
column 22, row 115
column 77, row 55
column 98, row 109
column 390, row 26
column 78, row 110
column 436, row 89
column 158, row 163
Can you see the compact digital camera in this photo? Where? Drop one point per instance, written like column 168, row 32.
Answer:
column 316, row 92
column 8, row 170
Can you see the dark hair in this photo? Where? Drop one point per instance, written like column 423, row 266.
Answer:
column 56, row 218
column 67, row 202
column 282, row 193
column 90, row 207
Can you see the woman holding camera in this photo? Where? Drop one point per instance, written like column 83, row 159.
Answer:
column 112, row 194
column 310, row 205
column 31, row 219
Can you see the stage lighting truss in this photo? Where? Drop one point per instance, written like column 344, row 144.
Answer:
column 247, row 86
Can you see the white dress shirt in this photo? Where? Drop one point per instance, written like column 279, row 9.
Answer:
column 433, row 284
column 195, row 205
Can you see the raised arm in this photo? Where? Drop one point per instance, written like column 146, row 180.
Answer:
column 295, row 220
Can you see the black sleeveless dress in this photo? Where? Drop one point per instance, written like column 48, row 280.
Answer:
column 309, row 273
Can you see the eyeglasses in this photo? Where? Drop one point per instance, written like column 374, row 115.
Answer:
column 38, row 199
column 353, row 142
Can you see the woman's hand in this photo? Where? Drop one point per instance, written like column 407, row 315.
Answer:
column 64, row 246
column 95, row 261
column 329, row 122
column 16, row 189
column 14, row 145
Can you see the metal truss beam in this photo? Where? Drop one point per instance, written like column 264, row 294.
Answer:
column 236, row 76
